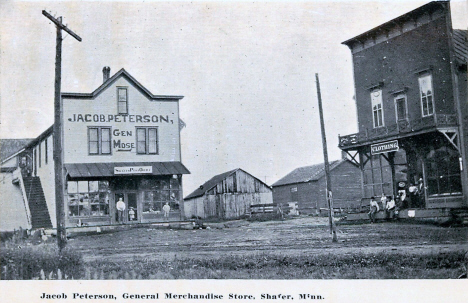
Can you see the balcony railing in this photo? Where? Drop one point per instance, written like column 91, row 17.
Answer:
column 402, row 127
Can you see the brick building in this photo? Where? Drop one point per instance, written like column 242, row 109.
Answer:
column 411, row 95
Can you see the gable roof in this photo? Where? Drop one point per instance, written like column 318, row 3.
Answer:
column 307, row 173
column 9, row 147
column 460, row 45
column 208, row 185
column 121, row 73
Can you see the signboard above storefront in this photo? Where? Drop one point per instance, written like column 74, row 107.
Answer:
column 132, row 170
column 384, row 147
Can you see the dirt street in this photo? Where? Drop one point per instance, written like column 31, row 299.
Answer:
column 306, row 235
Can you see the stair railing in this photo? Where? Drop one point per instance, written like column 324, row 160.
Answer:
column 17, row 174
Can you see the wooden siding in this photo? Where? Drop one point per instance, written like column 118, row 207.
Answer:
column 239, row 182
column 194, row 208
column 346, row 187
column 13, row 214
column 225, row 206
column 230, row 198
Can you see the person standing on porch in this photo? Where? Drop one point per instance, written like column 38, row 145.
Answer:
column 166, row 209
column 421, row 193
column 413, row 195
column 390, row 209
column 131, row 214
column 374, row 208
column 120, row 205
column 384, row 200
column 402, row 195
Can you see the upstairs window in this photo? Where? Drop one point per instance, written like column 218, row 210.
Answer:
column 122, row 101
column 147, row 140
column 426, row 93
column 99, row 140
column 377, row 110
column 401, row 109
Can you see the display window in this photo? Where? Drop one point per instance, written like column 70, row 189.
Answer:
column 157, row 192
column 88, row 198
column 443, row 171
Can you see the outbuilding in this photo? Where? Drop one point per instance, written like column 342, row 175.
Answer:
column 304, row 188
column 227, row 196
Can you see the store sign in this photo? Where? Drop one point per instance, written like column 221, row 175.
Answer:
column 384, row 147
column 131, row 170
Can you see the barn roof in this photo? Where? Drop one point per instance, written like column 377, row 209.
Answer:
column 9, row 147
column 460, row 45
column 215, row 180
column 210, row 184
column 307, row 173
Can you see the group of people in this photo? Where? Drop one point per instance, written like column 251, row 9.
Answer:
column 120, row 206
column 388, row 205
column 415, row 198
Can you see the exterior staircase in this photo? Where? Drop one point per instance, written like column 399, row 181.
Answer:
column 40, row 217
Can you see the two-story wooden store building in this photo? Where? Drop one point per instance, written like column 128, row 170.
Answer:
column 411, row 96
column 120, row 141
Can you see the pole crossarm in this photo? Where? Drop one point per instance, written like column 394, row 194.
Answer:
column 60, row 25
column 59, row 171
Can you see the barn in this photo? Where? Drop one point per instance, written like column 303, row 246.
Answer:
column 227, row 196
column 304, row 188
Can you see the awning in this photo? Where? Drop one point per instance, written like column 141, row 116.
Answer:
column 81, row 170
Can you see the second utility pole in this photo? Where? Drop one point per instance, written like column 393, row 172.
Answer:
column 57, row 131
column 327, row 166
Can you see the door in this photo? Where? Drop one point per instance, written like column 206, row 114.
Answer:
column 131, row 213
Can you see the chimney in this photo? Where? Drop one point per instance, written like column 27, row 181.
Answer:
column 105, row 73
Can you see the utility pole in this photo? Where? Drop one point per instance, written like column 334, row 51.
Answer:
column 327, row 167
column 57, row 132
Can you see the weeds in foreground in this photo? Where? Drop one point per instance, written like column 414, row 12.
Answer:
column 39, row 262
column 265, row 266
column 44, row 262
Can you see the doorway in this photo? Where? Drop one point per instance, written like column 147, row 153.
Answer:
column 131, row 213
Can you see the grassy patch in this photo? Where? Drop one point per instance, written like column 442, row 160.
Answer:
column 36, row 262
column 264, row 266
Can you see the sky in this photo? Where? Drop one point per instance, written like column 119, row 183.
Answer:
column 246, row 69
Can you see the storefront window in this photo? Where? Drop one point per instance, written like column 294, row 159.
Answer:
column 157, row 192
column 443, row 172
column 88, row 198
column 377, row 177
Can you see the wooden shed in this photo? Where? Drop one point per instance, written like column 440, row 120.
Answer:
column 227, row 196
column 304, row 187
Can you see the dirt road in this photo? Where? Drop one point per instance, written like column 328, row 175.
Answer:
column 307, row 235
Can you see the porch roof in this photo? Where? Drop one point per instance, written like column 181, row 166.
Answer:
column 83, row 170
